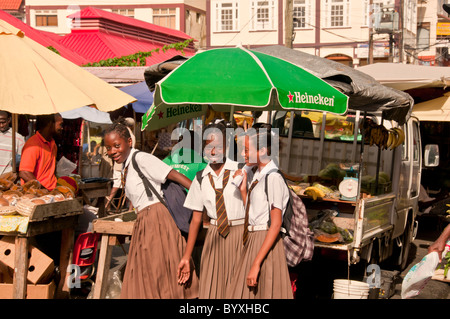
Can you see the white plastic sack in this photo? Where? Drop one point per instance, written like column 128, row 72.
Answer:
column 65, row 167
column 419, row 275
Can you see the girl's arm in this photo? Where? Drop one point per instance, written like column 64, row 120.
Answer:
column 184, row 267
column 179, row 178
column 272, row 233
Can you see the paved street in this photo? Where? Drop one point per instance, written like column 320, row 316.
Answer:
column 317, row 284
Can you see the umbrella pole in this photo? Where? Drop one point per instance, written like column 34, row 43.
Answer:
column 231, row 114
column 322, row 138
column 288, row 150
column 13, row 153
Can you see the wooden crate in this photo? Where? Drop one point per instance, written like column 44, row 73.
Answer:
column 56, row 209
column 45, row 291
column 40, row 266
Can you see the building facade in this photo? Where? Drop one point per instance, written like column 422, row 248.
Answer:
column 335, row 29
column 187, row 16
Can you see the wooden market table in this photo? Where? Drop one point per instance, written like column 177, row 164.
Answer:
column 111, row 231
column 46, row 218
column 96, row 190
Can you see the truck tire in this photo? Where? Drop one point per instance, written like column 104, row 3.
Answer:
column 406, row 239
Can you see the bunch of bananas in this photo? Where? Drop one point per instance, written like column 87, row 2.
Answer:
column 314, row 192
column 382, row 137
column 396, row 138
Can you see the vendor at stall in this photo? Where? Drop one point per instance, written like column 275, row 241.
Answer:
column 39, row 152
column 6, row 143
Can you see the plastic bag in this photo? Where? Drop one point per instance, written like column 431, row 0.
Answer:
column 419, row 275
column 114, row 287
column 64, row 167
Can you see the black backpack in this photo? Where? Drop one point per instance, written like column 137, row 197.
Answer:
column 174, row 196
column 297, row 237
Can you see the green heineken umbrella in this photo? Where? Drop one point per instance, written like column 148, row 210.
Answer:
column 238, row 79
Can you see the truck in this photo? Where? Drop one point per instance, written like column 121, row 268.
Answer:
column 375, row 194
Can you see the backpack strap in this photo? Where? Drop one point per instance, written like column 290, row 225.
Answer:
column 284, row 230
column 147, row 185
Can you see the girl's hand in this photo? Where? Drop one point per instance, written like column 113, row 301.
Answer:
column 184, row 271
column 252, row 277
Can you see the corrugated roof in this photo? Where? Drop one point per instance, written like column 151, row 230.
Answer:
column 100, row 35
column 98, row 45
column 43, row 38
column 10, row 4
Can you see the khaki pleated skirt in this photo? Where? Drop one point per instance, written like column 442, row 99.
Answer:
column 156, row 249
column 219, row 257
column 273, row 279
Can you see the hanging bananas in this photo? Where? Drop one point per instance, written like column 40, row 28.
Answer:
column 382, row 137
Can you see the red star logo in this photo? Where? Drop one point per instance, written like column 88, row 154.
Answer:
column 291, row 97
column 160, row 114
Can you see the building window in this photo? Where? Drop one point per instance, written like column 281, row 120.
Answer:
column 165, row 17
column 423, row 36
column 227, row 16
column 46, row 20
column 262, row 13
column 125, row 12
column 337, row 13
column 302, row 14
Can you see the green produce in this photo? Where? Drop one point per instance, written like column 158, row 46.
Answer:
column 328, row 227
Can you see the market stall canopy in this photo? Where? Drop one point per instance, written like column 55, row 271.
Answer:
column 143, row 95
column 365, row 92
column 239, row 79
column 434, row 110
column 35, row 80
column 408, row 76
column 88, row 113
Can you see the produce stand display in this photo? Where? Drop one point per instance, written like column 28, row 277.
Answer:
column 45, row 218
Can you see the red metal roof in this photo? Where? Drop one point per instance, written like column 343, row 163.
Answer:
column 98, row 45
column 44, row 38
column 100, row 35
column 10, row 4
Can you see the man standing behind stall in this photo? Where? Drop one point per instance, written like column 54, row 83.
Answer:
column 39, row 152
column 6, row 143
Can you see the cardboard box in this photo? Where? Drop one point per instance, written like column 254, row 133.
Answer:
column 40, row 266
column 33, row 291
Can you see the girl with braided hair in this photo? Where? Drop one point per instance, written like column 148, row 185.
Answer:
column 156, row 242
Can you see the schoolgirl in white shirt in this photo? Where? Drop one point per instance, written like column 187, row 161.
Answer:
column 223, row 242
column 156, row 242
column 262, row 271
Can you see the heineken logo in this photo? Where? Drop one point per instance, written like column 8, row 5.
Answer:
column 180, row 110
column 318, row 99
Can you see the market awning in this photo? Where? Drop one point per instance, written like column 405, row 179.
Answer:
column 88, row 113
column 408, row 76
column 434, row 110
column 141, row 92
column 365, row 93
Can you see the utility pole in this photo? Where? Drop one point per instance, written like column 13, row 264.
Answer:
column 370, row 54
column 289, row 24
